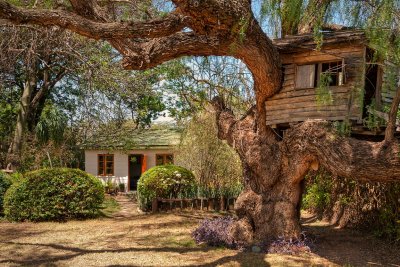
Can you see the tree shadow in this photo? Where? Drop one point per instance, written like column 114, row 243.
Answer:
column 350, row 247
column 243, row 258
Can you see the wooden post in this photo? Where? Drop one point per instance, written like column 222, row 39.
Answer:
column 154, row 205
column 223, row 204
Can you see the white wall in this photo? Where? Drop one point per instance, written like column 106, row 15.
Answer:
column 121, row 162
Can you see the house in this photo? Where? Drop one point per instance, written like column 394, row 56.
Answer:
column 340, row 81
column 123, row 155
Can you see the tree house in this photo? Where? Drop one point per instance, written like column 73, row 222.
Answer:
column 337, row 82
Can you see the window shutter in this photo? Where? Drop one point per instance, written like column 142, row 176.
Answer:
column 144, row 163
column 305, row 76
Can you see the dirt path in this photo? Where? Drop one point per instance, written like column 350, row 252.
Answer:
column 129, row 238
column 128, row 209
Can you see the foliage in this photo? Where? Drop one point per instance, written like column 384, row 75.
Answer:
column 342, row 128
column 323, row 93
column 215, row 232
column 54, row 195
column 165, row 181
column 317, row 194
column 214, row 163
column 373, row 121
column 5, row 183
column 37, row 155
column 196, row 81
column 373, row 207
column 51, row 125
column 292, row 246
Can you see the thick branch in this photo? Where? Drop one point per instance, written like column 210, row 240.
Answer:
column 47, row 86
column 160, row 50
column 344, row 156
column 92, row 29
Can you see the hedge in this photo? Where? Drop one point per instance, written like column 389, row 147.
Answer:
column 54, row 195
column 5, row 183
column 166, row 181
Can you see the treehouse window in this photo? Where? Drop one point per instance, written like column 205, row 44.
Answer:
column 311, row 75
column 163, row 159
column 105, row 165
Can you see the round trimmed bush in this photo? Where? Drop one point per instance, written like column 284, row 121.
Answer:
column 5, row 183
column 166, row 181
column 54, row 195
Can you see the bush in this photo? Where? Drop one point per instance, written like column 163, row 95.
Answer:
column 369, row 206
column 54, row 195
column 5, row 183
column 215, row 232
column 167, row 181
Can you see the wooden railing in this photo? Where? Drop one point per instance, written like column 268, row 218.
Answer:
column 210, row 204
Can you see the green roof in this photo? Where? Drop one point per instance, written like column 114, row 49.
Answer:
column 127, row 137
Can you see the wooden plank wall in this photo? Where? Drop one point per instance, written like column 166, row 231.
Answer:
column 388, row 92
column 296, row 105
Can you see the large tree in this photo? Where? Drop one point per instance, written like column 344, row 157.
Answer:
column 273, row 167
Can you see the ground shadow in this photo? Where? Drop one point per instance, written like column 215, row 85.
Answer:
column 352, row 248
column 243, row 258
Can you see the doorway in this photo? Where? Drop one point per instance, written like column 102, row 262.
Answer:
column 135, row 170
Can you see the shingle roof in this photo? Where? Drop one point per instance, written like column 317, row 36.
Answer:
column 293, row 43
column 128, row 137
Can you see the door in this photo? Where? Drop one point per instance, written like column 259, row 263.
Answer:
column 135, row 170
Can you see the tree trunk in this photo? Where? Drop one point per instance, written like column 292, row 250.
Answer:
column 15, row 149
column 274, row 170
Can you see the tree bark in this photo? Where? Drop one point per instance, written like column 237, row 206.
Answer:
column 15, row 149
column 274, row 170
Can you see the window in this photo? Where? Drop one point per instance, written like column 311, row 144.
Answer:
column 309, row 76
column 105, row 165
column 163, row 159
column 334, row 70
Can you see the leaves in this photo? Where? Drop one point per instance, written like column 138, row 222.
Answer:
column 215, row 232
column 54, row 195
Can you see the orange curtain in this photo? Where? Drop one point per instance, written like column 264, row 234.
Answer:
column 144, row 163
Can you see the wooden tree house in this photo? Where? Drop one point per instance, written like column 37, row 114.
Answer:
column 355, row 82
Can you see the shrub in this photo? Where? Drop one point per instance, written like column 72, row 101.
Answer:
column 215, row 232
column 5, row 183
column 54, row 195
column 369, row 206
column 318, row 193
column 167, row 181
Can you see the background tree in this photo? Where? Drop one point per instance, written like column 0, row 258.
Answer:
column 215, row 165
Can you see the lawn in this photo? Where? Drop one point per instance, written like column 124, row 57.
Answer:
column 134, row 239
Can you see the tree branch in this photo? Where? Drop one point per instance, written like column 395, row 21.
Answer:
column 160, row 50
column 47, row 86
column 344, row 156
column 92, row 29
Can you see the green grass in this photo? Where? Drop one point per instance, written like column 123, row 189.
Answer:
column 178, row 241
column 109, row 206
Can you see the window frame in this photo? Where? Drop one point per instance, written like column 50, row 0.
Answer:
column 318, row 68
column 164, row 158
column 104, row 165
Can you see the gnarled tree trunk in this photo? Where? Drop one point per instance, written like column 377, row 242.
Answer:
column 274, row 169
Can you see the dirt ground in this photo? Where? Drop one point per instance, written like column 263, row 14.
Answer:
column 129, row 238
